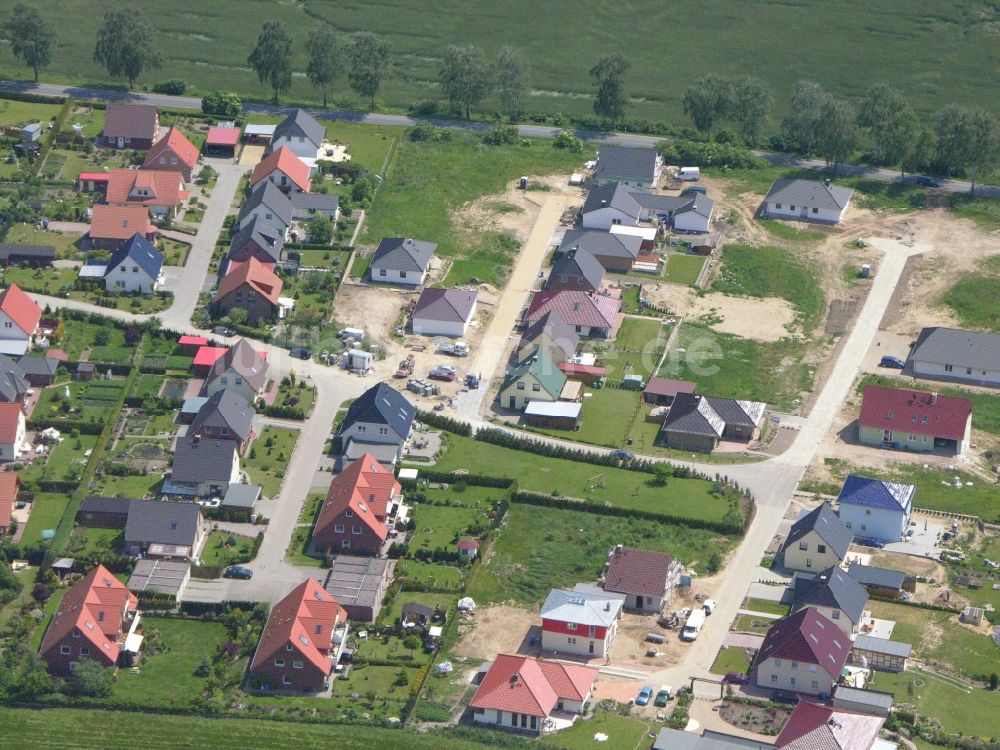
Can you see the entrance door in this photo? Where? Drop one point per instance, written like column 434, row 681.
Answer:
column 886, row 436
column 591, row 647
column 804, row 213
column 513, row 402
column 638, row 602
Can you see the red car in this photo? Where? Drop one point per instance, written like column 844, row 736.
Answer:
column 443, row 372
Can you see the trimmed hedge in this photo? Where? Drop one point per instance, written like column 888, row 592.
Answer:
column 441, row 422
column 65, row 425
column 474, row 480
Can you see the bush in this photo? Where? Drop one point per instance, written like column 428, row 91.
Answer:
column 568, row 141
column 424, row 108
column 174, row 87
column 700, row 154
column 222, row 103
column 441, row 422
column 501, row 135
column 424, row 131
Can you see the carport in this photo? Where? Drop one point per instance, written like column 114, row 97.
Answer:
column 222, row 141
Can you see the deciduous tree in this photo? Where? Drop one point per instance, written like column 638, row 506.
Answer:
column 750, row 102
column 609, row 73
column 271, row 59
column 369, row 59
column 125, row 44
column 879, row 111
column 951, row 126
column 513, row 74
column 837, row 133
column 30, row 36
column 466, row 77
column 325, row 58
column 90, row 679
column 806, row 109
column 984, row 144
column 706, row 102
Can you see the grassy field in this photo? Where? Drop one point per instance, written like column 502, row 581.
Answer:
column 751, row 624
column 65, row 244
column 624, row 733
column 968, row 297
column 958, row 709
column 89, row 399
column 786, row 231
column 683, row 269
column 65, row 461
column 428, row 181
column 639, row 335
column 540, row 548
column 46, row 511
column 271, row 452
column 607, row 418
column 766, row 606
column 439, row 526
column 432, row 574
column 730, row 659
column 985, row 212
column 21, row 113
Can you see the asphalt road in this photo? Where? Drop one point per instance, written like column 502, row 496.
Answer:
column 532, row 131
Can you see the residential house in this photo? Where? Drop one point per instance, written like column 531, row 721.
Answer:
column 592, row 315
column 576, row 270
column 443, row 312
column 134, row 267
column 19, row 318
column 160, row 192
column 359, row 584
column 610, row 205
column 242, row 369
column 881, row 654
column 694, row 216
column 300, row 133
column 816, row 541
column 635, row 168
column 252, row 286
column 12, row 428
column 468, row 548
column 700, row 423
column 362, row 499
column 256, row 239
column 21, row 254
column 662, row 391
column 657, row 208
column 301, row 643
column 415, row 614
column 804, row 652
column 808, row 200
column 550, row 335
column 835, row 595
column 14, row 386
column 101, row 512
column 521, row 692
column 677, row 739
column 971, row 357
column 882, row 582
column 307, row 206
column 914, row 420
column 647, row 579
column 225, row 415
column 401, row 260
column 97, row 619
column 876, row 509
column 8, row 497
column 161, row 528
column 617, row 253
column 577, row 622
column 267, row 203
column 132, row 126
column 40, row 372
column 284, row 169
column 813, row 726
column 537, row 378
column 203, row 467
column 378, row 422
column 113, row 226
column 173, row 153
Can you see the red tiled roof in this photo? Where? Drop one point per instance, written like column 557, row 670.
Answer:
column 10, row 416
column 365, row 487
column 918, row 412
column 192, row 341
column 94, row 606
column 816, row 727
column 206, row 356
column 576, row 308
column 306, row 618
column 93, row 176
column 222, row 136
column 8, row 496
column 120, row 222
column 808, row 637
column 522, row 684
column 57, row 354
column 164, row 188
column 668, row 387
column 285, row 160
column 576, row 369
column 466, row 544
column 257, row 275
column 176, row 142
column 20, row 308
column 637, row 571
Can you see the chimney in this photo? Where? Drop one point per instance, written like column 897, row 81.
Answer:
column 607, row 606
column 934, row 398
column 604, row 202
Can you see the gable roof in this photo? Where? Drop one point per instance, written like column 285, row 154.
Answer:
column 160, row 187
column 581, row 607
column 403, row 254
column 268, row 195
column 578, row 263
column 877, row 493
column 94, row 606
column 366, row 487
column 918, row 412
column 163, row 522
column 261, row 234
column 306, row 619
column 254, row 273
column 668, row 387
column 245, row 361
column 176, row 142
column 219, row 135
column 8, row 496
column 381, row 404
column 827, row 525
column 817, row 727
column 10, row 418
column 315, row 201
column 225, row 408
column 560, row 333
column 38, row 365
column 542, row 369
column 869, row 575
column 130, row 121
column 696, row 203
column 140, row 251
column 660, row 203
column 576, row 308
column 447, row 305
column 203, row 459
column 637, row 571
column 13, row 384
column 284, row 160
column 953, row 346
column 298, row 123
column 102, row 504
column 809, row 193
column 693, row 414
column 631, row 164
column 24, row 250
column 806, row 636
column 20, row 308
column 119, row 222
column 523, row 684
column 832, row 588
column 601, row 244
column 614, row 195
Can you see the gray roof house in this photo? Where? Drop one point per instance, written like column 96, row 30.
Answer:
column 576, row 270
column 226, row 415
column 300, row 132
column 808, row 200
column 443, row 312
column 833, row 593
column 13, row 383
column 38, row 370
column 953, row 354
column 637, row 168
column 699, row 423
column 241, row 369
column 878, row 580
column 134, row 266
column 378, row 422
column 268, row 202
column 159, row 528
column 676, row 739
column 550, row 333
column 817, row 540
column 257, row 239
column 616, row 252
column 307, row 206
column 611, row 204
column 401, row 260
column 203, row 467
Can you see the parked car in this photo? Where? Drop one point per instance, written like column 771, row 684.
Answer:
column 871, row 542
column 735, row 678
column 223, row 331
column 623, row 455
column 644, row 696
column 928, row 182
column 894, row 362
column 784, row 696
column 238, row 571
column 709, row 606
column 443, row 372
column 301, row 353
column 662, row 697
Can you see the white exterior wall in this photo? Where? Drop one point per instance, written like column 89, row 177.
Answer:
column 837, row 617
column 9, row 451
column 367, row 432
column 787, row 211
column 911, row 441
column 505, row 719
column 128, row 277
column 231, row 379
column 880, row 523
column 522, row 396
column 689, row 221
column 605, row 218
column 299, row 145
column 935, row 370
column 265, row 216
column 810, row 559
column 563, row 642
column 9, row 330
column 431, row 327
column 304, row 214
column 778, row 674
column 392, row 276
column 282, row 180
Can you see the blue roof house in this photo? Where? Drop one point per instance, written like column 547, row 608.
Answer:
column 875, row 509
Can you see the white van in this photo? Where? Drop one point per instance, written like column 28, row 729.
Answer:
column 693, row 625
column 358, row 334
column 689, row 174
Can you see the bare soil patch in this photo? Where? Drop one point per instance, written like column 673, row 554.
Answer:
column 753, row 718
column 769, row 319
column 498, row 629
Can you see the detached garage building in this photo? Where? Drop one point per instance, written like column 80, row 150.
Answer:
column 443, row 312
column 880, row 653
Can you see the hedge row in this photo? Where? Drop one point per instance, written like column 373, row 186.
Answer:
column 441, row 422
column 473, row 480
column 279, row 411
column 65, row 425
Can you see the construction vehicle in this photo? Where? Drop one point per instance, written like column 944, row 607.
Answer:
column 405, row 368
column 472, row 381
column 456, row 349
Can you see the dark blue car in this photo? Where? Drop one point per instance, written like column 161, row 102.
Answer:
column 894, row 362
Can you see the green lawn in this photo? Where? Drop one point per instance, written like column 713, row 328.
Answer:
column 49, row 281
column 766, row 606
column 21, row 113
column 784, row 230
column 971, row 712
column 683, row 269
column 89, row 399
column 467, row 496
column 175, row 253
column 440, row 526
column 269, row 455
column 300, row 395
column 969, row 297
column 223, row 548
column 298, row 549
column 687, row 498
column 47, row 510
column 540, row 548
column 751, row 624
column 730, row 659
column 624, row 733
column 432, row 574
column 65, row 244
column 85, row 542
column 985, row 212
column 608, row 414
column 82, row 337
column 639, row 335
column 64, row 164
column 64, row 462
column 360, row 265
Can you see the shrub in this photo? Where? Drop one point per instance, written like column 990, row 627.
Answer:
column 222, row 103
column 501, row 135
column 568, row 141
column 173, row 86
